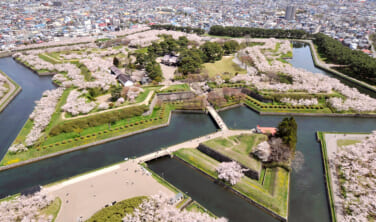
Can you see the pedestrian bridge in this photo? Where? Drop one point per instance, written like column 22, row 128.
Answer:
column 217, row 118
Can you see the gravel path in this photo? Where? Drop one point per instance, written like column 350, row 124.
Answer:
column 84, row 195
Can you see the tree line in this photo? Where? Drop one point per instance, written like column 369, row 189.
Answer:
column 198, row 31
column 357, row 64
column 190, row 55
column 234, row 31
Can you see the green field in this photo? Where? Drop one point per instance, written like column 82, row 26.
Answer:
column 225, row 65
column 116, row 212
column 345, row 142
column 271, row 191
column 53, row 209
column 238, row 148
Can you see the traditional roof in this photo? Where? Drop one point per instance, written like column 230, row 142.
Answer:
column 116, row 71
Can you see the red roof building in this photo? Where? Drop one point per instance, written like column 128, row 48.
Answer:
column 266, row 130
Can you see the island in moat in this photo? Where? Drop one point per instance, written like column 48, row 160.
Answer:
column 113, row 88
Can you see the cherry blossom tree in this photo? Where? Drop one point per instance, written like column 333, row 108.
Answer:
column 25, row 208
column 231, row 172
column 77, row 104
column 42, row 114
column 302, row 79
column 356, row 165
column 159, row 208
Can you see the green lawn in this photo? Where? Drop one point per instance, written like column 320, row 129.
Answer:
column 47, row 58
column 225, row 65
column 116, row 212
column 239, row 148
column 272, row 194
column 199, row 160
column 53, row 209
column 345, row 142
column 267, row 107
column 196, row 207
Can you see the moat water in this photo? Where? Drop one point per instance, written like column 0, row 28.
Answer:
column 308, row 201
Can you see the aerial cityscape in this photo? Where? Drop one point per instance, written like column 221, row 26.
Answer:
column 177, row 111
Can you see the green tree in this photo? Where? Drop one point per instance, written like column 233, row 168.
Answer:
column 230, row 47
column 116, row 93
column 190, row 61
column 287, row 131
column 116, row 62
column 154, row 71
column 212, row 51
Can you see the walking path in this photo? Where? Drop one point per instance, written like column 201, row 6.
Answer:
column 82, row 196
column 331, row 149
column 217, row 118
column 192, row 143
column 145, row 102
column 167, row 71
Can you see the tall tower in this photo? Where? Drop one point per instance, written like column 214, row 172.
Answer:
column 290, row 12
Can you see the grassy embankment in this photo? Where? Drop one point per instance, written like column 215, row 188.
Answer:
column 321, row 138
column 279, row 107
column 238, row 148
column 271, row 191
column 176, row 88
column 16, row 89
column 51, row 144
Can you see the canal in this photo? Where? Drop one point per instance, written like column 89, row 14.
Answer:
column 308, row 200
